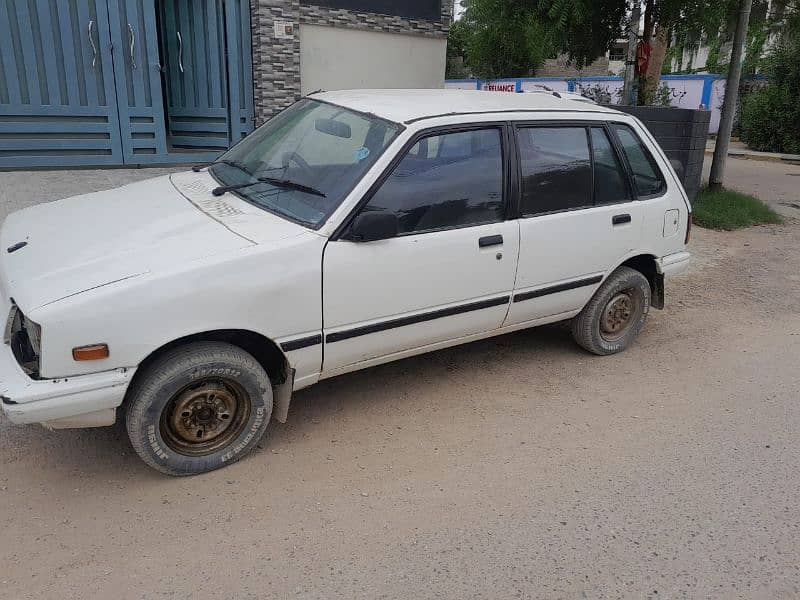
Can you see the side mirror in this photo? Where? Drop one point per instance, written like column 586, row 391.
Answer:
column 373, row 226
column 678, row 166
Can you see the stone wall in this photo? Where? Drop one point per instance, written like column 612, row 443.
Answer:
column 276, row 62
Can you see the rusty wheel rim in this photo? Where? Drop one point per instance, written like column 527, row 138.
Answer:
column 205, row 416
column 618, row 316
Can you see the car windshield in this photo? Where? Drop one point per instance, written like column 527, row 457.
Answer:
column 304, row 161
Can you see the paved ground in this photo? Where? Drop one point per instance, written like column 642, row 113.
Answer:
column 19, row 189
column 777, row 183
column 739, row 149
column 518, row 467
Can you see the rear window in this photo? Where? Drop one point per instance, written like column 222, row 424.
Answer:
column 556, row 169
column 646, row 174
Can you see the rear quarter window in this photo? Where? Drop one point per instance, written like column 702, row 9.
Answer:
column 647, row 176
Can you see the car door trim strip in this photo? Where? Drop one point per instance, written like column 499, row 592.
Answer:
column 304, row 342
column 338, row 336
column 554, row 289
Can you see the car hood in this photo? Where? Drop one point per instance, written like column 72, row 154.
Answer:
column 55, row 250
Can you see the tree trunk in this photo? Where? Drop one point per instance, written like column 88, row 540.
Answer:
column 658, row 52
column 647, row 30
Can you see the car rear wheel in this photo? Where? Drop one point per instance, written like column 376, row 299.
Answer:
column 198, row 408
column 616, row 313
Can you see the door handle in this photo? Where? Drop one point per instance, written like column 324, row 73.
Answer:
column 132, row 38
column 91, row 42
column 490, row 240
column 620, row 219
column 180, row 51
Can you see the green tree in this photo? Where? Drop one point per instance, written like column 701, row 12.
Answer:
column 457, row 41
column 769, row 118
column 586, row 28
column 499, row 38
column 582, row 29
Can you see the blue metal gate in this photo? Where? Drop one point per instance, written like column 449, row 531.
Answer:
column 58, row 102
column 84, row 82
column 196, row 81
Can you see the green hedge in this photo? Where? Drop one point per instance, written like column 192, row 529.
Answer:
column 769, row 119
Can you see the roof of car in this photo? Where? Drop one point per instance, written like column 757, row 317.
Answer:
column 403, row 106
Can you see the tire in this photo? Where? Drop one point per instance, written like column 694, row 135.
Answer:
column 625, row 292
column 199, row 407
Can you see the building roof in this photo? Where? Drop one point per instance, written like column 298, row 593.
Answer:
column 403, row 106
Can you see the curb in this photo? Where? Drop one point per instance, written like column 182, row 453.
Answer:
column 794, row 160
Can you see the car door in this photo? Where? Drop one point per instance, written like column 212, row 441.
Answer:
column 449, row 270
column 578, row 218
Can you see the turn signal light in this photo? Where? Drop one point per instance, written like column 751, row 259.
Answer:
column 93, row 352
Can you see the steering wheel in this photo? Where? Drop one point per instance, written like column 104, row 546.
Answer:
column 294, row 157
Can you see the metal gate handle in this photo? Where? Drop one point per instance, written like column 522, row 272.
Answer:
column 91, row 42
column 132, row 38
column 180, row 51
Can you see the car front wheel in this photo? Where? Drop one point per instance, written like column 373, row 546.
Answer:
column 616, row 313
column 198, row 408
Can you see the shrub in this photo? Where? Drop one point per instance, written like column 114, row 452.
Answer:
column 769, row 118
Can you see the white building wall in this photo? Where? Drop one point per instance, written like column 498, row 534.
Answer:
column 335, row 58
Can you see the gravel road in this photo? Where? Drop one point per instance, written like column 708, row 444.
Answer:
column 518, row 467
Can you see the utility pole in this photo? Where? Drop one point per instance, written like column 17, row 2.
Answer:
column 629, row 88
column 731, row 95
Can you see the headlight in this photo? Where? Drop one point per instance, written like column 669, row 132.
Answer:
column 34, row 334
column 25, row 338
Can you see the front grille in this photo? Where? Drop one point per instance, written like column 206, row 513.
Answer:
column 22, row 335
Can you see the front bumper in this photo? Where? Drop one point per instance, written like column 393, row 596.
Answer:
column 673, row 264
column 47, row 401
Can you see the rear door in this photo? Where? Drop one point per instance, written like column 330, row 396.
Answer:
column 578, row 217
column 450, row 270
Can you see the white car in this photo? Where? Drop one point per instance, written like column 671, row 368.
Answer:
column 352, row 229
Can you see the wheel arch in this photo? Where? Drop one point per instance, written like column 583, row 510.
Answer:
column 647, row 266
column 266, row 351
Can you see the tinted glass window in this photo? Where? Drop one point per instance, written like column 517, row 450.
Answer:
column 556, row 170
column 446, row 181
column 609, row 178
column 645, row 173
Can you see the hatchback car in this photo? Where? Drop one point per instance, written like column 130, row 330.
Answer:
column 352, row 229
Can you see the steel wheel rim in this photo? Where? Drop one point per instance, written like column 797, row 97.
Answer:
column 618, row 315
column 205, row 416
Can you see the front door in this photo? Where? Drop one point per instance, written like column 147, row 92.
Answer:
column 578, row 218
column 449, row 271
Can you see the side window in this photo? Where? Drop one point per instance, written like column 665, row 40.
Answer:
column 646, row 174
column 610, row 183
column 446, row 181
column 556, row 169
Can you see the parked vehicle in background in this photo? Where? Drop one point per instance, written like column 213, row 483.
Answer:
column 354, row 228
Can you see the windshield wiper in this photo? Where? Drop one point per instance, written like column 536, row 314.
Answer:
column 284, row 183
column 232, row 163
